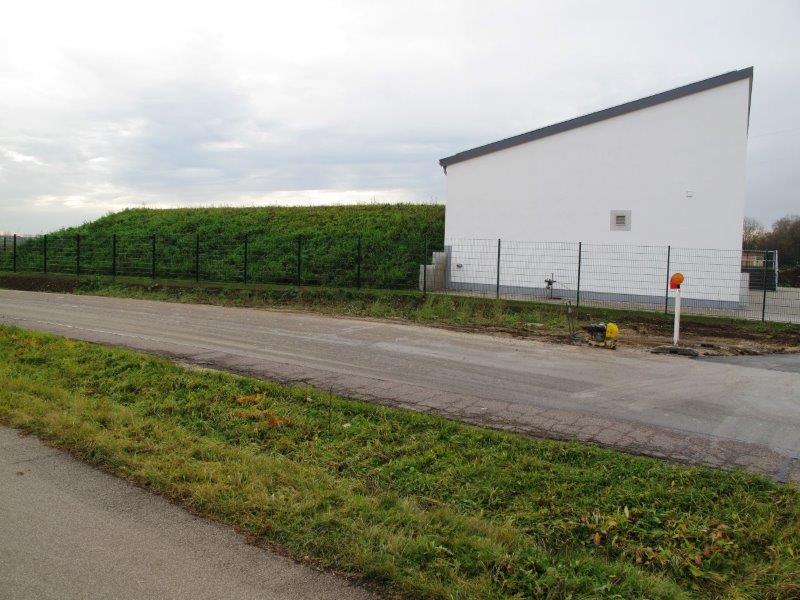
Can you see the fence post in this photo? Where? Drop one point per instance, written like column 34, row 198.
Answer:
column 245, row 260
column 114, row 255
column 764, row 285
column 299, row 277
column 44, row 254
column 666, row 289
column 425, row 268
column 578, row 287
column 14, row 255
column 197, row 257
column 153, row 256
column 497, row 286
column 359, row 258
column 78, row 255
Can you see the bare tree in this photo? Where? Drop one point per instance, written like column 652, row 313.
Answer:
column 785, row 238
column 753, row 233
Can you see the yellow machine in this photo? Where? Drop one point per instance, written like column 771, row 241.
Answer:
column 603, row 335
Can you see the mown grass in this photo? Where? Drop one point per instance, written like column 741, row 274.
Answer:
column 420, row 505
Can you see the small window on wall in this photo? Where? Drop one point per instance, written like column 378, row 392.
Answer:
column 620, row 220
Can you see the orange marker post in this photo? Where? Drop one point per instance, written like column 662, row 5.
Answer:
column 675, row 284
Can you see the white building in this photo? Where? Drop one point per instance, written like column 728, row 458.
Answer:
column 665, row 170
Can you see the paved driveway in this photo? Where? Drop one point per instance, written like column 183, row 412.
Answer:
column 694, row 411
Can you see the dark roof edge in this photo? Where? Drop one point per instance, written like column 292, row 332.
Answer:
column 607, row 113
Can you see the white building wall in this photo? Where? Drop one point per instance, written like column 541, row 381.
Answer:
column 679, row 167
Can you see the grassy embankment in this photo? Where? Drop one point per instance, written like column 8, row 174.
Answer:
column 390, row 240
column 421, row 506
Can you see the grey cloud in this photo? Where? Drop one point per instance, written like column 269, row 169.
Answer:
column 368, row 101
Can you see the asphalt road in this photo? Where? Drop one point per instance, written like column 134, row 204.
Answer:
column 774, row 362
column 68, row 531
column 706, row 412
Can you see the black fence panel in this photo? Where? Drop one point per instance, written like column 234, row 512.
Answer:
column 746, row 284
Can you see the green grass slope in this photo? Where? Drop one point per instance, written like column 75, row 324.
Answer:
column 390, row 220
column 378, row 245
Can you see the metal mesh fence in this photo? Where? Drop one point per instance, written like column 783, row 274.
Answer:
column 727, row 283
column 730, row 283
column 330, row 261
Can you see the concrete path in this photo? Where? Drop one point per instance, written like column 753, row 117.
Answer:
column 694, row 411
column 69, row 531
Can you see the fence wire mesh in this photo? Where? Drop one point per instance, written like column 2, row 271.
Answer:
column 727, row 283
column 730, row 283
column 328, row 261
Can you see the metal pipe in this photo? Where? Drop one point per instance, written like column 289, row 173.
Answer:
column 497, row 287
column 764, row 285
column 245, row 260
column 666, row 291
column 153, row 256
column 197, row 257
column 425, row 268
column 578, row 287
column 299, row 277
column 359, row 259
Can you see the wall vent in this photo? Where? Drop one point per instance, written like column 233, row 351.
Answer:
column 620, row 220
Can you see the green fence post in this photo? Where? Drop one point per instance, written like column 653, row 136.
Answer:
column 578, row 287
column 358, row 264
column 425, row 268
column 764, row 285
column 78, row 255
column 497, row 287
column 197, row 257
column 114, row 255
column 299, row 259
column 153, row 256
column 14, row 255
column 666, row 290
column 44, row 254
column 244, row 273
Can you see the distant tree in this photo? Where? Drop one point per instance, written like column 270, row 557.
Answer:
column 783, row 237
column 753, row 230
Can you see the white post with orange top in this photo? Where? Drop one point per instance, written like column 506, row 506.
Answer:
column 675, row 283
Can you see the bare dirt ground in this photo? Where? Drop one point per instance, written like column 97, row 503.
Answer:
column 708, row 340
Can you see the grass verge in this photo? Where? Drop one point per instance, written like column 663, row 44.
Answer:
column 423, row 506
column 528, row 319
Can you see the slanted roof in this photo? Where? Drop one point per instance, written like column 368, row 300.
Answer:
column 601, row 115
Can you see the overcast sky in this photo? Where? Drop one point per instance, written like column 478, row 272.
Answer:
column 108, row 105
